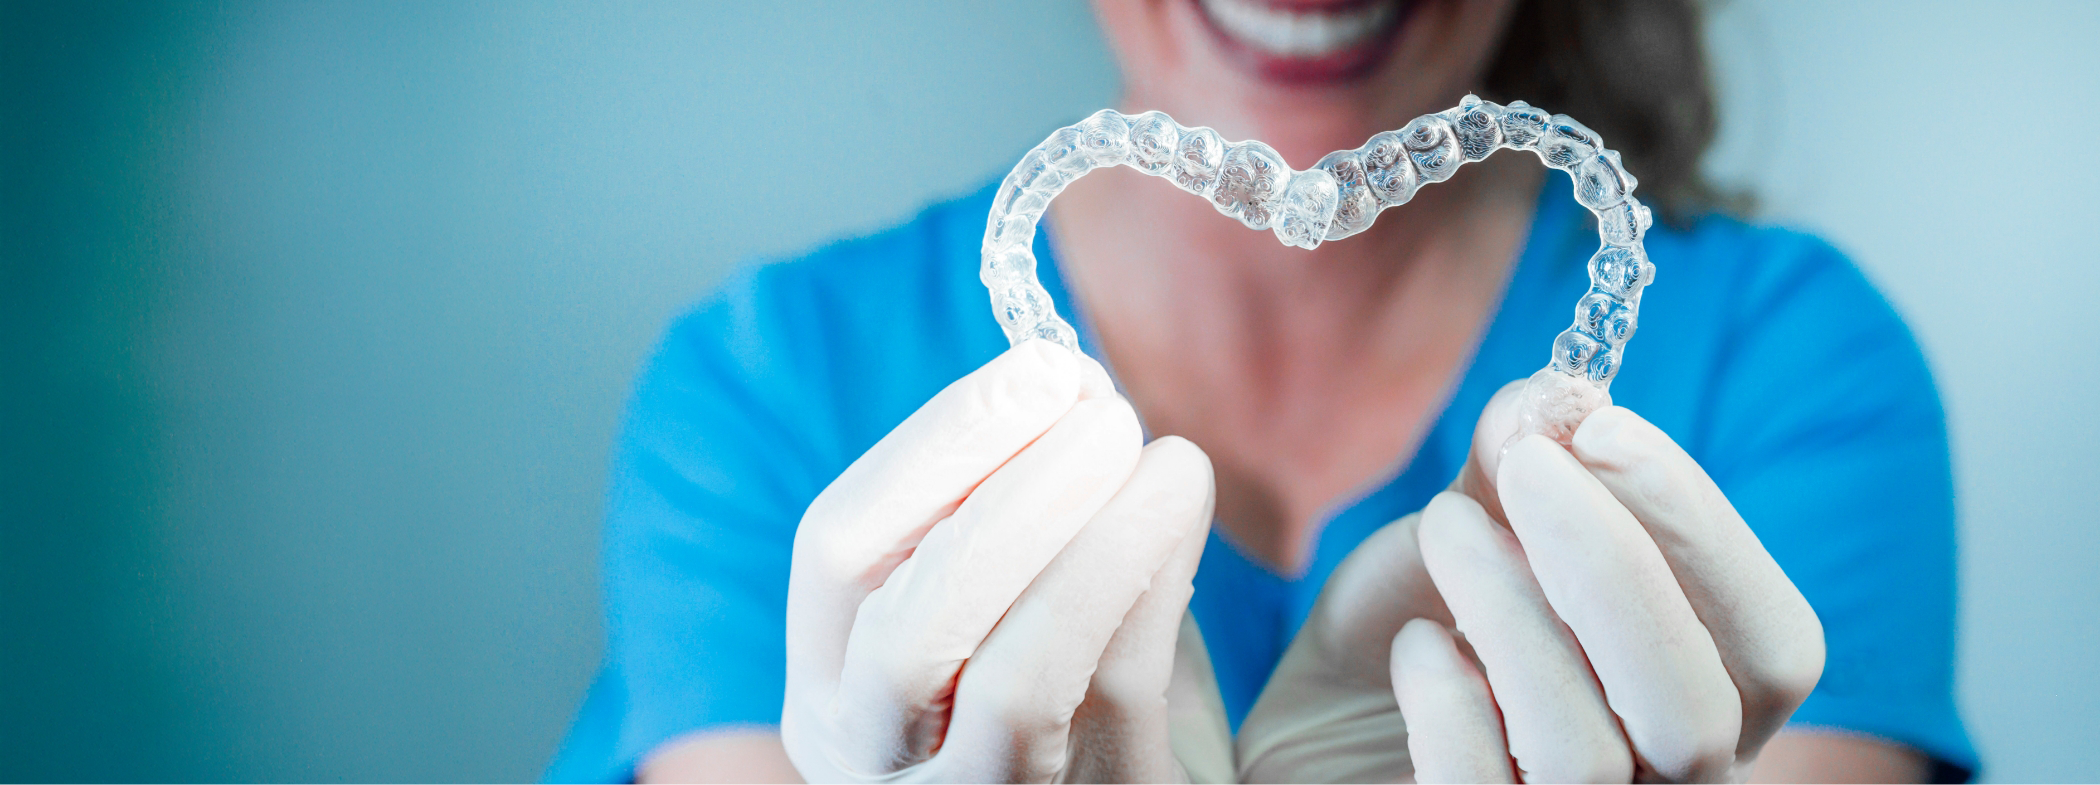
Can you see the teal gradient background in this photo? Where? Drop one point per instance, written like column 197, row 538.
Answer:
column 318, row 318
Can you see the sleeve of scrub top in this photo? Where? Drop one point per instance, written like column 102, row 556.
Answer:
column 1830, row 439
column 714, row 466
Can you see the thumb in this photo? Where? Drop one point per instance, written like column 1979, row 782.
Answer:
column 1328, row 713
column 1548, row 403
column 1499, row 421
column 1379, row 587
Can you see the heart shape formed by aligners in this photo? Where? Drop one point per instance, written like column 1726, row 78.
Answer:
column 1340, row 196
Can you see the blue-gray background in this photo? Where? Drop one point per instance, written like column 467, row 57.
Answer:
column 317, row 319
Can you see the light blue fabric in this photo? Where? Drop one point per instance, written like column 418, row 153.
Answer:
column 1763, row 352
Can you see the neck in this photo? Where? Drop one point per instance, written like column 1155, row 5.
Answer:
column 1304, row 374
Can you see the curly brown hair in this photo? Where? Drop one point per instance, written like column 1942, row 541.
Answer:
column 1634, row 70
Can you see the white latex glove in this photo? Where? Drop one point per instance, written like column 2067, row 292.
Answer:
column 993, row 592
column 1617, row 620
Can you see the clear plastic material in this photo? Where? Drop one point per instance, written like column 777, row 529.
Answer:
column 1341, row 196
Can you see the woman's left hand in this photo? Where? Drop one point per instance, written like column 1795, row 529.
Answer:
column 1616, row 619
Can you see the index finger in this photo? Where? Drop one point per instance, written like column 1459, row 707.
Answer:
column 1605, row 578
column 869, row 519
column 1769, row 638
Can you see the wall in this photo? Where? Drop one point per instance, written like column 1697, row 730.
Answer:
column 1944, row 146
column 327, row 310
column 331, row 310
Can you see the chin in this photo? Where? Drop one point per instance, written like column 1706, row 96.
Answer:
column 1305, row 42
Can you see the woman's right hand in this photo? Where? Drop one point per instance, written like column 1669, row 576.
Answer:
column 993, row 592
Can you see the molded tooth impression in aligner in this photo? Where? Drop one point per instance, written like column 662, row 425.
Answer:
column 1340, row 196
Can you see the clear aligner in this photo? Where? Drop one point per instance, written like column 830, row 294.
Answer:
column 1341, row 196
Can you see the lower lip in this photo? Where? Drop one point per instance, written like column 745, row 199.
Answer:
column 1340, row 65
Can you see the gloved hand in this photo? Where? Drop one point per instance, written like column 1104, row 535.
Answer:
column 1616, row 620
column 994, row 591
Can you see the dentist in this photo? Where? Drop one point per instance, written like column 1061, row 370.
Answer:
column 852, row 536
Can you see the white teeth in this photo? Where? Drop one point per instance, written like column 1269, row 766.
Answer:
column 1303, row 34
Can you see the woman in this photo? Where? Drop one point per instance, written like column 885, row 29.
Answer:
column 995, row 588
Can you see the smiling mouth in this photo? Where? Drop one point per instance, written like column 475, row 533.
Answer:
column 1306, row 42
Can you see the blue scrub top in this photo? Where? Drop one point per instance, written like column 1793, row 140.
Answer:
column 1763, row 352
